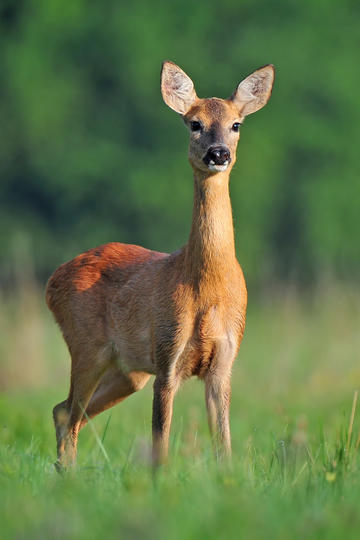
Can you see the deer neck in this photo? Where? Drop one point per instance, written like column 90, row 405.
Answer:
column 210, row 252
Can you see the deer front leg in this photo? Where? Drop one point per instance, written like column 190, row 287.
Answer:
column 217, row 394
column 161, row 420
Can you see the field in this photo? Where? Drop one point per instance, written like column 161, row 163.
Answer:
column 295, row 429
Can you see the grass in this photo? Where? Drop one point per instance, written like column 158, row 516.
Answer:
column 295, row 427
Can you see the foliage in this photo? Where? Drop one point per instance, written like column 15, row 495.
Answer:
column 89, row 154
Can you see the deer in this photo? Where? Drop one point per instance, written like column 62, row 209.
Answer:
column 127, row 313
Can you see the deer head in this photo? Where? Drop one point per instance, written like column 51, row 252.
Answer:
column 214, row 123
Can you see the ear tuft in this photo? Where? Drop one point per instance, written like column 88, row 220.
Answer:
column 254, row 91
column 177, row 88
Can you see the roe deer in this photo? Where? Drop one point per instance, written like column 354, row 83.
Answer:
column 127, row 313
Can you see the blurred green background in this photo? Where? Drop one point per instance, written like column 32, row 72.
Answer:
column 90, row 154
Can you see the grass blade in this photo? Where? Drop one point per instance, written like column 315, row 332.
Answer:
column 351, row 422
column 96, row 435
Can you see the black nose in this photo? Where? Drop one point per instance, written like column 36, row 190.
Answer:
column 217, row 155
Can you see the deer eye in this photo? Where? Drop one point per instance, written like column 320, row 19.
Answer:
column 236, row 126
column 195, row 126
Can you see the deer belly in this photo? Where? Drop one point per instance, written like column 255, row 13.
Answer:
column 130, row 332
column 133, row 352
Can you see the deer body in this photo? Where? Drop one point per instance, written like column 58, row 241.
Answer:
column 127, row 313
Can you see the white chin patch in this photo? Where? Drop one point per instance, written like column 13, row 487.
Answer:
column 218, row 168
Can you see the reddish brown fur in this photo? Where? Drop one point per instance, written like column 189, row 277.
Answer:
column 127, row 312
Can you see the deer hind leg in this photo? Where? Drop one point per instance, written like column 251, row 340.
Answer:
column 61, row 420
column 85, row 377
column 115, row 386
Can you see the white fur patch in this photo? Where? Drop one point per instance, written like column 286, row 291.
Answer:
column 218, row 168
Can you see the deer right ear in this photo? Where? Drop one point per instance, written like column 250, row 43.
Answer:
column 177, row 88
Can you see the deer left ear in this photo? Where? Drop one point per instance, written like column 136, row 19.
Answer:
column 254, row 91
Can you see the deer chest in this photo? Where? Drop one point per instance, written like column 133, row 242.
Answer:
column 215, row 339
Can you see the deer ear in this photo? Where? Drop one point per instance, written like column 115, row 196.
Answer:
column 254, row 91
column 177, row 88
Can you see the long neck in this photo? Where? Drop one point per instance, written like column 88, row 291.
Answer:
column 210, row 252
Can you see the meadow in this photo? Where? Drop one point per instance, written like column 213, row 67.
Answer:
column 295, row 429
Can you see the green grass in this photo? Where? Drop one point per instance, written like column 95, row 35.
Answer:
column 295, row 474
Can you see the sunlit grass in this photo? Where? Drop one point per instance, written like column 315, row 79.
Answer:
column 295, row 427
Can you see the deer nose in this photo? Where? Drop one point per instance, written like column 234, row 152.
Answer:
column 217, row 155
